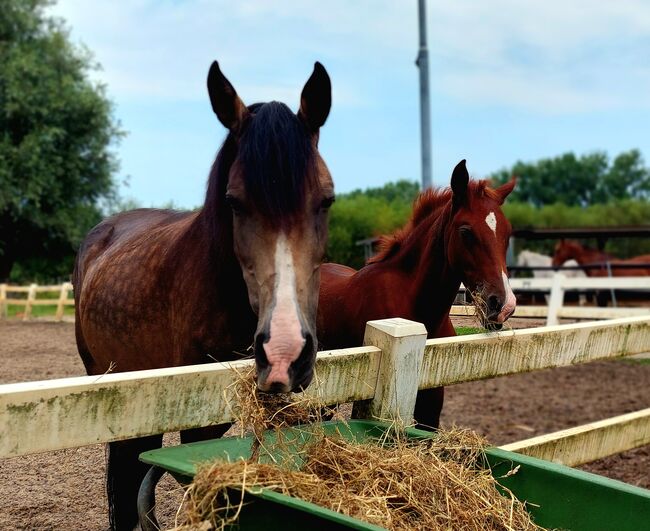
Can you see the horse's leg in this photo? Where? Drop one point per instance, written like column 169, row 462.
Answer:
column 124, row 473
column 203, row 434
column 428, row 407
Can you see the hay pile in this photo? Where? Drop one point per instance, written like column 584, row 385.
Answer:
column 394, row 483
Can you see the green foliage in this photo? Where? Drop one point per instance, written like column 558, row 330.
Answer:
column 362, row 214
column 557, row 215
column 586, row 180
column 56, row 129
column 38, row 311
column 377, row 211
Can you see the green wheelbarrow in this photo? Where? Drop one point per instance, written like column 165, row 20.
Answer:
column 556, row 496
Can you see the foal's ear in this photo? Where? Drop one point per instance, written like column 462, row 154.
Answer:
column 226, row 104
column 316, row 98
column 504, row 190
column 459, row 182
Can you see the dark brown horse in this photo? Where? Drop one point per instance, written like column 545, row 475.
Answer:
column 157, row 288
column 572, row 250
column 454, row 235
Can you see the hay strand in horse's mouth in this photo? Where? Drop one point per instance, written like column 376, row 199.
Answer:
column 395, row 483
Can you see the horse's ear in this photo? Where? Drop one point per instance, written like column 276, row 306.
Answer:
column 459, row 182
column 316, row 98
column 504, row 190
column 226, row 104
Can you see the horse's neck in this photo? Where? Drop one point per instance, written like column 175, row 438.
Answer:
column 433, row 284
column 210, row 254
column 438, row 283
column 589, row 256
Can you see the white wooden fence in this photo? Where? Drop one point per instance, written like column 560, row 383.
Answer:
column 49, row 415
column 558, row 285
column 31, row 300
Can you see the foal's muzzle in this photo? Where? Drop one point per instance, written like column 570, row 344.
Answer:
column 498, row 311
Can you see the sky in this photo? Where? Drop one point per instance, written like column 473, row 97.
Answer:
column 510, row 80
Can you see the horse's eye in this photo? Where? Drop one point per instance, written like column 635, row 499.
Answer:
column 467, row 234
column 235, row 204
column 327, row 202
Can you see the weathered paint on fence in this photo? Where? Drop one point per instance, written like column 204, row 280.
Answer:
column 53, row 414
column 475, row 357
column 402, row 345
column 41, row 416
column 586, row 443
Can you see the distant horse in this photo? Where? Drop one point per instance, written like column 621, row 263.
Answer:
column 454, row 235
column 569, row 249
column 158, row 288
column 531, row 259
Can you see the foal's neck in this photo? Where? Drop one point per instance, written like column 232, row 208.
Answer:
column 434, row 284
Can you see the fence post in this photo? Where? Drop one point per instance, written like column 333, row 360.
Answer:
column 31, row 297
column 3, row 301
column 63, row 295
column 402, row 344
column 556, row 299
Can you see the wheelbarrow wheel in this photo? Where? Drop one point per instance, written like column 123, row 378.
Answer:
column 147, row 499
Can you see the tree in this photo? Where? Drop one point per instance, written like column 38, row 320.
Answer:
column 586, row 180
column 56, row 132
column 362, row 214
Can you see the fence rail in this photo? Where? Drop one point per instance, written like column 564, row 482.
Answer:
column 30, row 301
column 586, row 443
column 559, row 284
column 556, row 285
column 564, row 312
column 71, row 412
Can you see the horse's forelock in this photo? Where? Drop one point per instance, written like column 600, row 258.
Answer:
column 277, row 157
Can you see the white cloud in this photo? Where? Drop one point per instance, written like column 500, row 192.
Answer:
column 545, row 56
column 162, row 50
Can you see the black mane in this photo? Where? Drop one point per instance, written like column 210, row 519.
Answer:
column 275, row 151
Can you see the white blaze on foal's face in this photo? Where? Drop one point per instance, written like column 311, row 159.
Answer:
column 286, row 340
column 491, row 221
column 510, row 303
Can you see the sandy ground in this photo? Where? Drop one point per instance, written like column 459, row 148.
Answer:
column 65, row 489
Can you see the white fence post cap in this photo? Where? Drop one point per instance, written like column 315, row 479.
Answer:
column 398, row 327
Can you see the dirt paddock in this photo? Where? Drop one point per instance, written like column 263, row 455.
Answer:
column 65, row 489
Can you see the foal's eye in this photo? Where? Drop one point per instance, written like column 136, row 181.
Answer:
column 327, row 202
column 235, row 204
column 467, row 234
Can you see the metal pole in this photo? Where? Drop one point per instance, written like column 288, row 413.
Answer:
column 425, row 111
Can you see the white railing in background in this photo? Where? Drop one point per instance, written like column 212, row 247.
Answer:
column 559, row 284
column 556, row 286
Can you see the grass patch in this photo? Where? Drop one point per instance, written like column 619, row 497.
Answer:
column 468, row 330
column 38, row 311
column 636, row 361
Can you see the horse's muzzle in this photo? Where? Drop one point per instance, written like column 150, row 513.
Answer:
column 278, row 374
column 499, row 311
